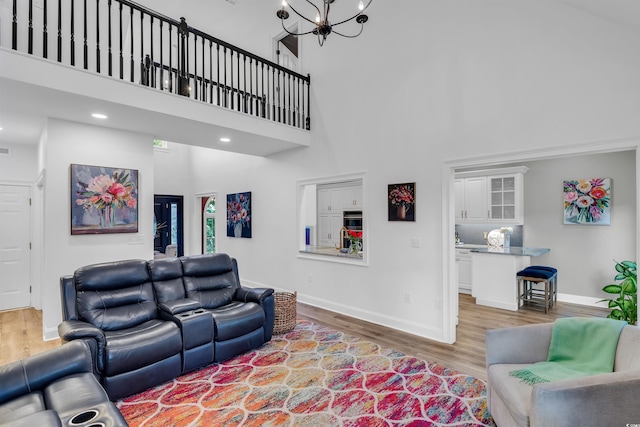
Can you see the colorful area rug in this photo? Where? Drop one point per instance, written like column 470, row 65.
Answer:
column 315, row 376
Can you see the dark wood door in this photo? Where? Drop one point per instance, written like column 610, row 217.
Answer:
column 168, row 220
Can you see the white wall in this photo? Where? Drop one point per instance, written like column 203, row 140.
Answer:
column 20, row 165
column 583, row 254
column 67, row 143
column 450, row 80
column 425, row 83
column 172, row 177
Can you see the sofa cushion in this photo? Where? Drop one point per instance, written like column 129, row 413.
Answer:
column 115, row 295
column 236, row 319
column 133, row 348
column 627, row 351
column 210, row 279
column 22, row 406
column 42, row 418
column 512, row 392
column 73, row 394
column 166, row 275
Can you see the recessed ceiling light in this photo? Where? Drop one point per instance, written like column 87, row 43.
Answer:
column 0, row 127
column 98, row 116
column 225, row 139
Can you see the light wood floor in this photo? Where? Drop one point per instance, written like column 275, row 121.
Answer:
column 21, row 332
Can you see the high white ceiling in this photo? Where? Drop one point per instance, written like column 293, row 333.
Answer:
column 22, row 115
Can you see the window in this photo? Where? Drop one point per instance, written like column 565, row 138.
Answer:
column 327, row 209
column 209, row 226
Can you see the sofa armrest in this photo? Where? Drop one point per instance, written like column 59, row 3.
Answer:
column 603, row 400
column 38, row 371
column 178, row 306
column 521, row 344
column 257, row 295
column 70, row 330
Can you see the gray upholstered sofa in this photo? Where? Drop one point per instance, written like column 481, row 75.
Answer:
column 56, row 388
column 599, row 400
column 154, row 320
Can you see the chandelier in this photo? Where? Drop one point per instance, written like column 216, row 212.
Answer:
column 322, row 27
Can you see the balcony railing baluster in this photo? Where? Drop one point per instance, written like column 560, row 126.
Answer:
column 243, row 82
column 85, row 45
column 98, row 36
column 30, row 41
column 45, row 35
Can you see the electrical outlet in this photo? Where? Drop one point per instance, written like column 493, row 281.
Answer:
column 310, row 278
column 485, row 235
column 407, row 298
column 416, row 242
column 438, row 303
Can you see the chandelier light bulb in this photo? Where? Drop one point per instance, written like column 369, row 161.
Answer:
column 322, row 26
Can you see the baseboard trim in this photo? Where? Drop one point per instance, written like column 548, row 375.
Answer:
column 581, row 300
column 413, row 328
column 50, row 334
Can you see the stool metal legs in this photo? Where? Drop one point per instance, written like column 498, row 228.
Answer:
column 528, row 294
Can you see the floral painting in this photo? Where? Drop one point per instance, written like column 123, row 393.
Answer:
column 239, row 215
column 587, row 201
column 402, row 202
column 103, row 200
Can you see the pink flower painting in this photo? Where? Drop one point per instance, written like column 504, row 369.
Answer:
column 402, row 199
column 104, row 200
column 587, row 201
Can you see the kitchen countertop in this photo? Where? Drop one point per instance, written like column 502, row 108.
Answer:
column 329, row 251
column 513, row 250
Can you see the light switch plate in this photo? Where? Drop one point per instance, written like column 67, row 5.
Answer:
column 416, row 242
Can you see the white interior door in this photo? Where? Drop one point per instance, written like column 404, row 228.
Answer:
column 15, row 236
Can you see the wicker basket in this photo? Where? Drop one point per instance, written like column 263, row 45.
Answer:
column 285, row 312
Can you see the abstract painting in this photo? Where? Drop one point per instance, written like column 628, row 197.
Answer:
column 587, row 201
column 239, row 215
column 103, row 200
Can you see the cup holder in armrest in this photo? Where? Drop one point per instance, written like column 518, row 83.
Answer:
column 185, row 314
column 199, row 311
column 84, row 417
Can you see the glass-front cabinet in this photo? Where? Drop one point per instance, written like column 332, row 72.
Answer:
column 501, row 200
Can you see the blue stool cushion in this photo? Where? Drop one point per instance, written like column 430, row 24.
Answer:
column 537, row 273
column 543, row 267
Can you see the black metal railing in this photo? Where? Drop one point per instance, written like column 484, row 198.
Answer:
column 139, row 45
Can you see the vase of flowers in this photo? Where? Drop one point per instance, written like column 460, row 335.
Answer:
column 238, row 213
column 506, row 232
column 105, row 194
column 586, row 201
column 355, row 241
column 401, row 196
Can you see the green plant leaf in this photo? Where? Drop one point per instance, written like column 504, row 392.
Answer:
column 629, row 264
column 612, row 289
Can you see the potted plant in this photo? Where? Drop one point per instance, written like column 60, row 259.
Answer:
column 625, row 306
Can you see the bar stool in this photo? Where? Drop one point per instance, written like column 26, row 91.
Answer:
column 529, row 294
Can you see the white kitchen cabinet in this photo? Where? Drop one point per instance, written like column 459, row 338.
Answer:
column 329, row 225
column 463, row 263
column 506, row 199
column 471, row 199
column 351, row 198
column 339, row 198
column 493, row 196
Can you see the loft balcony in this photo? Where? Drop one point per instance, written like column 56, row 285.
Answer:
column 149, row 73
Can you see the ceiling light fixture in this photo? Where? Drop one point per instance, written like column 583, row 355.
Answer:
column 98, row 116
column 225, row 139
column 322, row 26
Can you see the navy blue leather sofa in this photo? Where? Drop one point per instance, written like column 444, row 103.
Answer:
column 151, row 321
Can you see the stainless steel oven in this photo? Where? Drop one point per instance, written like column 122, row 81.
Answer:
column 351, row 220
